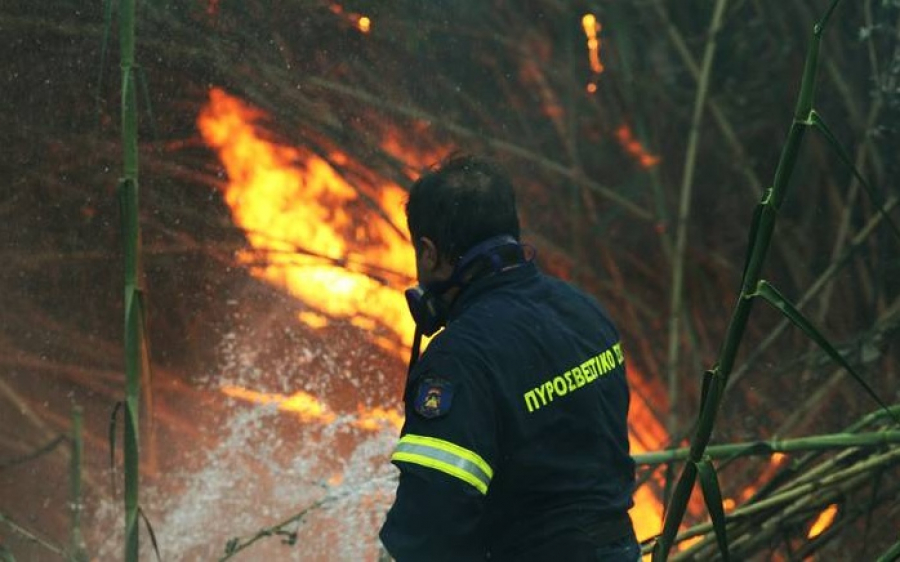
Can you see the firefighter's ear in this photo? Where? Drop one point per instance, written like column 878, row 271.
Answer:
column 427, row 254
column 429, row 266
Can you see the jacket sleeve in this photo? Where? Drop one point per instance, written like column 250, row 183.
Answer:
column 446, row 454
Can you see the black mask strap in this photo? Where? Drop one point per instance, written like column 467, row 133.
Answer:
column 415, row 351
column 413, row 359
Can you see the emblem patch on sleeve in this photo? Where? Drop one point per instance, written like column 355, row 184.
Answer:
column 433, row 397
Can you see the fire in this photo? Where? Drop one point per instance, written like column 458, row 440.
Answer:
column 318, row 237
column 592, row 29
column 344, row 257
column 823, row 521
column 363, row 23
column 310, row 409
column 633, row 147
column 646, row 434
column 775, row 462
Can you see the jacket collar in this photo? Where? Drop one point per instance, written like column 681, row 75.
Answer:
column 472, row 293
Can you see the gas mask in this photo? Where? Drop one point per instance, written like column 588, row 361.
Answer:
column 429, row 309
column 426, row 304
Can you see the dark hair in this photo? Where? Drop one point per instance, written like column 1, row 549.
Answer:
column 463, row 201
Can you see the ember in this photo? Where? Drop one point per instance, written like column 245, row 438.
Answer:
column 823, row 521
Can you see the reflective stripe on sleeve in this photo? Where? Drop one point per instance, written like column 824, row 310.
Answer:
column 445, row 456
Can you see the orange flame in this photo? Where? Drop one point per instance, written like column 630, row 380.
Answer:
column 823, row 521
column 310, row 409
column 317, row 234
column 633, row 147
column 363, row 23
column 774, row 464
column 318, row 238
column 645, row 435
column 592, row 29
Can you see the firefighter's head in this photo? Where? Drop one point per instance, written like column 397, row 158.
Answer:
column 463, row 201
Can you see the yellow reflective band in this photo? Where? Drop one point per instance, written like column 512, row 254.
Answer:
column 446, row 457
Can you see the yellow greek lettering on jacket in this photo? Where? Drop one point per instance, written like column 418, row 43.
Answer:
column 605, row 365
column 559, row 385
column 589, row 374
column 548, row 388
column 589, row 370
column 568, row 375
column 531, row 401
column 579, row 378
column 541, row 395
column 575, row 378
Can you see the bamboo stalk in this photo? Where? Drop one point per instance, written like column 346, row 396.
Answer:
column 763, row 448
column 753, row 531
column 855, row 475
column 812, row 500
column 833, row 268
column 761, row 235
column 23, row 406
column 684, row 210
column 862, row 153
column 76, row 542
column 128, row 191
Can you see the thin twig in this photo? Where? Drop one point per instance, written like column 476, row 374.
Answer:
column 33, row 537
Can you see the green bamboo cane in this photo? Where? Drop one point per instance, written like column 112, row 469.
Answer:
column 891, row 554
column 762, row 228
column 842, row 480
column 128, row 193
column 761, row 448
column 684, row 210
column 799, row 501
column 77, row 550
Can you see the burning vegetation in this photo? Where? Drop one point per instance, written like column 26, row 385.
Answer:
column 274, row 160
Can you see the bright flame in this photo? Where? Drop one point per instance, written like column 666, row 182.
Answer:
column 633, row 147
column 305, row 405
column 646, row 434
column 592, row 29
column 310, row 409
column 775, row 462
column 313, row 234
column 318, row 237
column 363, row 23
column 823, row 521
column 312, row 319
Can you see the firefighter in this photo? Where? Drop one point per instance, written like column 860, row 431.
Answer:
column 515, row 444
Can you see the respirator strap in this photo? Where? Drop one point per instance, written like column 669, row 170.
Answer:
column 415, row 351
column 413, row 359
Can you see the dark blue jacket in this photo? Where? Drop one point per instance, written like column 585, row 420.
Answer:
column 515, row 431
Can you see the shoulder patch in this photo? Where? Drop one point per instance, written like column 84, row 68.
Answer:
column 433, row 397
